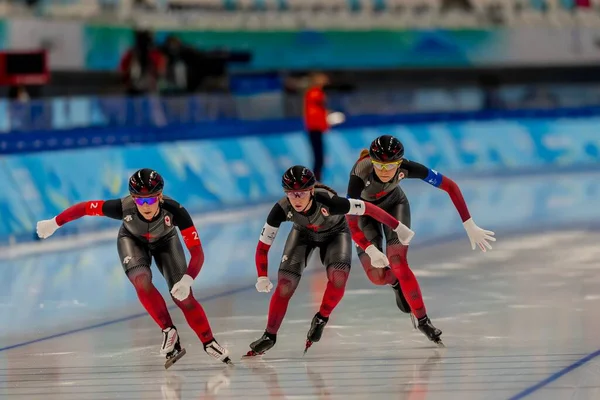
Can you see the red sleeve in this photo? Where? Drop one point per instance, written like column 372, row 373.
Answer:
column 262, row 259
column 380, row 215
column 79, row 210
column 357, row 234
column 193, row 244
column 450, row 187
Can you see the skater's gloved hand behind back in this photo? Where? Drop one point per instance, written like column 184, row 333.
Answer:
column 181, row 290
column 478, row 236
column 378, row 259
column 263, row 284
column 405, row 234
column 46, row 228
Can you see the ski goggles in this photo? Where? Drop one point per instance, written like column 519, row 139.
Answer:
column 386, row 166
column 140, row 201
column 297, row 194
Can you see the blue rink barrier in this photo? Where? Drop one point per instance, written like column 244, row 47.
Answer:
column 39, row 126
column 235, row 172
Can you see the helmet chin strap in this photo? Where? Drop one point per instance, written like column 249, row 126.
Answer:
column 312, row 198
column 309, row 203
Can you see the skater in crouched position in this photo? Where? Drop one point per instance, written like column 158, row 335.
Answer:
column 375, row 179
column 318, row 217
column 148, row 230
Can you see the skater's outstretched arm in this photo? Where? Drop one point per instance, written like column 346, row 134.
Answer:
column 355, row 187
column 378, row 259
column 266, row 239
column 183, row 220
column 360, row 207
column 354, row 208
column 477, row 236
column 98, row 208
column 340, row 206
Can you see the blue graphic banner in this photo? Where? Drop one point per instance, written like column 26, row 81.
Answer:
column 330, row 49
column 231, row 172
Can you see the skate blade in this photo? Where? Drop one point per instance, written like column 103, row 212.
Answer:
column 228, row 361
column 174, row 359
column 413, row 320
column 308, row 344
column 440, row 344
column 252, row 354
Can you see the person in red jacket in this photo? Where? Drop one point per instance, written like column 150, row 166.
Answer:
column 148, row 231
column 315, row 119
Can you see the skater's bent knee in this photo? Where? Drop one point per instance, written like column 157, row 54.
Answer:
column 286, row 288
column 190, row 303
column 141, row 278
column 338, row 277
column 397, row 260
column 397, row 252
column 186, row 304
column 377, row 276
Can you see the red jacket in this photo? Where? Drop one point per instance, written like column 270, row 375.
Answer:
column 157, row 67
column 315, row 110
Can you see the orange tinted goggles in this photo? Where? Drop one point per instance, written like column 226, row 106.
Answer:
column 386, row 166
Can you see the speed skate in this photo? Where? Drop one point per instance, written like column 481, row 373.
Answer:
column 174, row 356
column 171, row 346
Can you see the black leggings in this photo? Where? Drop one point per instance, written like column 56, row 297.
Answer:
column 168, row 254
column 336, row 256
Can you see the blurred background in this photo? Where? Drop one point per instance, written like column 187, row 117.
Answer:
column 501, row 95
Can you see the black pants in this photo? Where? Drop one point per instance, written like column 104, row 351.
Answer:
column 335, row 251
column 316, row 142
column 167, row 253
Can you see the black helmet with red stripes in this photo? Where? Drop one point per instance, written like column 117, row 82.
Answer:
column 298, row 177
column 146, row 182
column 386, row 149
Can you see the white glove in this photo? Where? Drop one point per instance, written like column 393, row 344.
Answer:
column 46, row 227
column 181, row 290
column 405, row 234
column 263, row 284
column 335, row 118
column 478, row 236
column 378, row 259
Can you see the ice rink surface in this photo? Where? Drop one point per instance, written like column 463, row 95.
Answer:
column 519, row 322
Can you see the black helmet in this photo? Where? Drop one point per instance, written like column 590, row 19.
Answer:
column 146, row 182
column 386, row 148
column 298, row 178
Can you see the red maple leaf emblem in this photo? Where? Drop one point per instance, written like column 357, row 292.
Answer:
column 313, row 227
column 147, row 235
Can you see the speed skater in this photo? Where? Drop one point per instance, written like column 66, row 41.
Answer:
column 148, row 231
column 318, row 216
column 375, row 179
